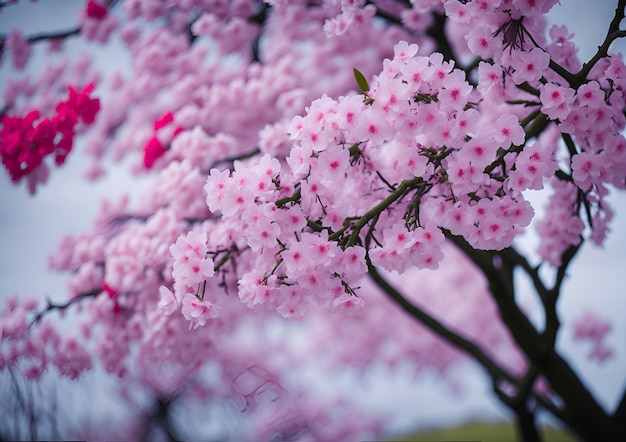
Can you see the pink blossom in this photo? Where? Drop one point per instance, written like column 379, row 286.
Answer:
column 416, row 71
column 594, row 328
column 26, row 141
column 481, row 42
column 197, row 311
column 262, row 230
column 215, row 188
column 96, row 10
column 490, row 79
column 457, row 11
column 19, row 48
column 590, row 94
column 204, row 24
column 190, row 246
column 456, row 90
column 71, row 359
column 507, row 131
column 556, row 101
column 416, row 19
column 294, row 305
column 167, row 301
column 529, row 66
column 403, row 50
column 347, row 303
column 586, row 169
column 152, row 152
column 534, row 164
column 560, row 227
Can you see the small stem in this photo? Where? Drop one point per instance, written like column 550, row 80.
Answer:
column 537, row 126
column 526, row 121
column 232, row 159
column 400, row 191
column 54, row 35
column 290, row 199
column 571, row 147
column 566, row 259
column 528, row 88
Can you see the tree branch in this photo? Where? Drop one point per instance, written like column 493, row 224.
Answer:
column 496, row 372
column 612, row 34
column 437, row 32
column 54, row 35
column 437, row 327
column 231, row 160
column 51, row 307
column 619, row 416
column 588, row 418
column 260, row 18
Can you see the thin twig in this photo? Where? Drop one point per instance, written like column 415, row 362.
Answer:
column 51, row 307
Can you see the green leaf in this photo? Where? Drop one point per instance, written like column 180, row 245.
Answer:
column 361, row 81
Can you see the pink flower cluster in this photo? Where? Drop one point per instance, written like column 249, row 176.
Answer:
column 589, row 114
column 38, row 349
column 96, row 24
column 19, row 47
column 562, row 228
column 290, row 265
column 594, row 328
column 381, row 175
column 26, row 141
column 192, row 267
column 156, row 146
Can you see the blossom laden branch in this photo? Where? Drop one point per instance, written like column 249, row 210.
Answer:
column 613, row 33
column 375, row 212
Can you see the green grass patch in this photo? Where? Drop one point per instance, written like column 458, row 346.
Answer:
column 483, row 432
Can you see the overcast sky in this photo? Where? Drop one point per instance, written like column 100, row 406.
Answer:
column 31, row 227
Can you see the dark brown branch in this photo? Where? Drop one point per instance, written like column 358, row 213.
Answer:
column 437, row 327
column 437, row 32
column 515, row 258
column 564, row 73
column 500, row 282
column 619, row 416
column 588, row 418
column 612, row 34
column 260, row 18
column 160, row 418
column 232, row 159
column 497, row 373
column 519, row 404
column 526, row 425
column 566, row 259
column 51, row 307
column 381, row 13
column 54, row 35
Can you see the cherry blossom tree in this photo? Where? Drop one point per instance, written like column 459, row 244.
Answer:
column 355, row 172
